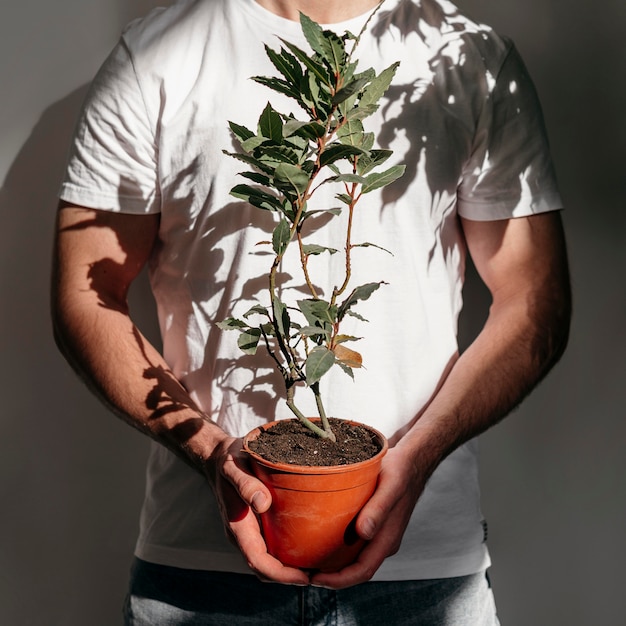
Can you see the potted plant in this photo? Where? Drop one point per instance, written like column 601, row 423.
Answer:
column 290, row 160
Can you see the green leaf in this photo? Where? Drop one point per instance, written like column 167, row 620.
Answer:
column 345, row 338
column 256, row 309
column 346, row 369
column 256, row 177
column 363, row 292
column 349, row 69
column 307, row 130
column 309, row 166
column 313, row 66
column 333, row 51
column 312, row 32
column 368, row 162
column 320, row 99
column 268, row 329
column 281, row 236
column 368, row 141
column 349, row 178
column 271, row 124
column 338, row 151
column 367, row 244
column 361, row 112
column 319, row 361
column 350, row 89
column 317, row 311
column 241, row 132
column 250, row 144
column 278, row 85
column 281, row 316
column 348, row 103
column 231, row 323
column 286, row 64
column 293, row 175
column 351, row 133
column 356, row 315
column 345, row 198
column 379, row 85
column 306, row 100
column 256, row 197
column 300, row 145
column 249, row 340
column 313, row 248
column 376, row 181
column 250, row 160
column 289, row 210
column 278, row 154
column 316, row 212
column 316, row 333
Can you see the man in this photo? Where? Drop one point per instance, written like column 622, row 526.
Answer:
column 147, row 181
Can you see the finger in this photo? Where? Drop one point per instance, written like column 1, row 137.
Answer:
column 361, row 571
column 246, row 534
column 376, row 510
column 242, row 525
column 397, row 490
column 250, row 489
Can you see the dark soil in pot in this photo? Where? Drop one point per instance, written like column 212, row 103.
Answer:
column 288, row 441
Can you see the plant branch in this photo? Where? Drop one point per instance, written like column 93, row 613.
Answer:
column 357, row 39
column 324, row 433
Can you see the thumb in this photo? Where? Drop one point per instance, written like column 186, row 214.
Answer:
column 374, row 512
column 378, row 508
column 261, row 500
column 250, row 489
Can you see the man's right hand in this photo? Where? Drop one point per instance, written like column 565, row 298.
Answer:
column 97, row 256
column 241, row 496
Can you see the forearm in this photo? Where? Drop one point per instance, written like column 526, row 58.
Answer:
column 523, row 263
column 129, row 375
column 523, row 338
column 97, row 256
column 505, row 361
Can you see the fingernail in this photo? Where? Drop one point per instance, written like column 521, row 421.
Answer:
column 258, row 501
column 368, row 528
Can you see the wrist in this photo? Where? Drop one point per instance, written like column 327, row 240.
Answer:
column 426, row 445
column 194, row 437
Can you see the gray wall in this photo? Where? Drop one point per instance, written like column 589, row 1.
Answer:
column 71, row 476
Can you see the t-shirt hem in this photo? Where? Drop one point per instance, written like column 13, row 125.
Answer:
column 193, row 559
column 108, row 202
column 501, row 210
column 463, row 565
column 391, row 570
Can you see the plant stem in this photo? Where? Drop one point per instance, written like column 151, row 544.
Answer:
column 293, row 373
column 325, row 433
column 364, row 28
column 337, row 291
column 315, row 388
column 305, row 266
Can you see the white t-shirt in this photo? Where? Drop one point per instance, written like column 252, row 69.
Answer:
column 461, row 114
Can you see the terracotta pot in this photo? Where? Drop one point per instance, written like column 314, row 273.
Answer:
column 310, row 524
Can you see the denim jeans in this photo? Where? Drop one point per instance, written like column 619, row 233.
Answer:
column 167, row 596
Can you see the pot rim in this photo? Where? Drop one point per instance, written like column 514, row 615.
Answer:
column 315, row 469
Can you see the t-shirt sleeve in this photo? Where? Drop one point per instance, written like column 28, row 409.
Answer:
column 510, row 172
column 112, row 162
